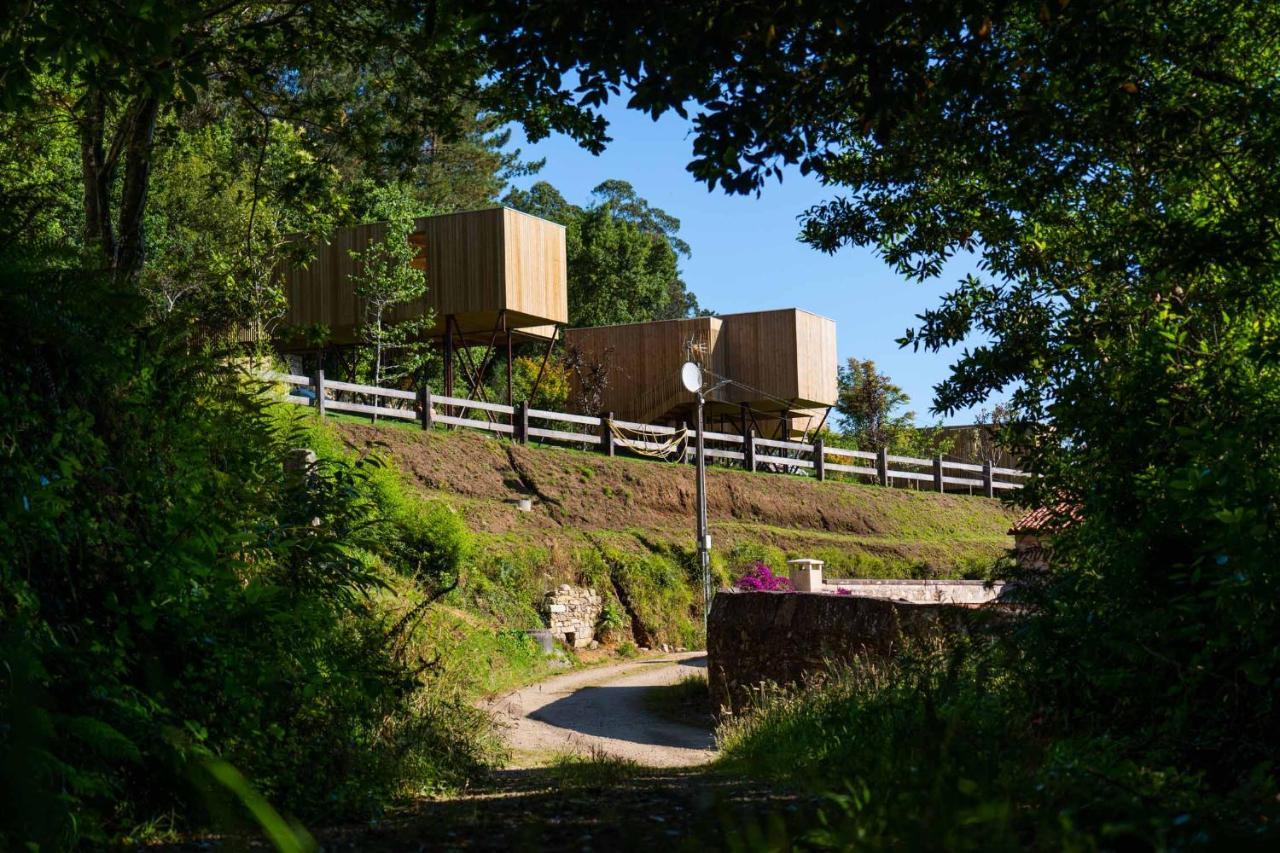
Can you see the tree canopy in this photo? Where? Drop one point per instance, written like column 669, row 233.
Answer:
column 623, row 254
column 396, row 82
column 1112, row 168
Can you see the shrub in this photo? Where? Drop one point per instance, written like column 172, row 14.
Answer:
column 760, row 578
column 943, row 748
column 612, row 620
column 170, row 594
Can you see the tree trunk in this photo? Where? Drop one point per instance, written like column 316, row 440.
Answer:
column 119, row 238
column 131, row 246
column 377, row 359
column 96, row 171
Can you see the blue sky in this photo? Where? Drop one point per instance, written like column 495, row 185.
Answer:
column 746, row 255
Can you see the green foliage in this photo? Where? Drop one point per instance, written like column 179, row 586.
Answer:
column 623, row 254
column 1113, row 170
column 948, row 736
column 553, row 387
column 386, row 279
column 287, row 837
column 612, row 621
column 842, row 561
column 890, row 740
column 594, row 771
column 657, row 590
column 387, row 85
column 223, row 199
column 869, row 405
column 506, row 584
column 40, row 196
column 686, row 701
column 170, row 593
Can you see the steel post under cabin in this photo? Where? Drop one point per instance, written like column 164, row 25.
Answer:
column 448, row 359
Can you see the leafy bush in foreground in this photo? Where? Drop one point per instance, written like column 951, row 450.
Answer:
column 169, row 593
column 940, row 749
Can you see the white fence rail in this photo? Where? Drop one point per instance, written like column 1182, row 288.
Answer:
column 749, row 452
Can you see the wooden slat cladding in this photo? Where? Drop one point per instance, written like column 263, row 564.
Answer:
column 478, row 265
column 816, row 358
column 643, row 362
column 787, row 354
column 536, row 267
column 788, row 357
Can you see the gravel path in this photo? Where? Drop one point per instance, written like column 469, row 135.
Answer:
column 604, row 710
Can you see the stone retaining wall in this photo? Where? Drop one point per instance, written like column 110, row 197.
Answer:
column 756, row 637
column 572, row 613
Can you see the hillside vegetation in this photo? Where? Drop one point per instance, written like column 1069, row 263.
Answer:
column 624, row 525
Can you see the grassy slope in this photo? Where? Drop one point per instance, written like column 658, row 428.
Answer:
column 579, row 495
column 624, row 525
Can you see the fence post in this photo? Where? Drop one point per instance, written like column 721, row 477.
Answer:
column 882, row 466
column 606, row 434
column 820, row 458
column 689, row 457
column 749, row 449
column 317, row 384
column 937, row 474
column 520, row 422
column 424, row 400
column 988, row 486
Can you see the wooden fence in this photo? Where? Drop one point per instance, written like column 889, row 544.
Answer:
column 750, row 452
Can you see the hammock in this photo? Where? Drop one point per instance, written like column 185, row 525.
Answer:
column 649, row 442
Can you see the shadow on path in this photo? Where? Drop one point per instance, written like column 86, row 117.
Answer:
column 539, row 809
column 619, row 713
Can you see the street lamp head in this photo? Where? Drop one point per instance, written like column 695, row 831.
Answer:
column 691, row 377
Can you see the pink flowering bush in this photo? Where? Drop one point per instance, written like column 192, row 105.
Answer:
column 760, row 578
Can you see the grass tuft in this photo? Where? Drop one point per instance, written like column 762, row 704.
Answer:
column 688, row 701
column 594, row 770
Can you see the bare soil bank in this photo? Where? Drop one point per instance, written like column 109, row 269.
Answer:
column 577, row 493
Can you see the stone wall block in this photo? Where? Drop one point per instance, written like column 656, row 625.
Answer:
column 571, row 613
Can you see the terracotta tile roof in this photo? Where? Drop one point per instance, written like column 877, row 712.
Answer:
column 1046, row 519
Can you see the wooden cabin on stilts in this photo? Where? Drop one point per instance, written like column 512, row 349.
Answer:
column 781, row 365
column 495, row 278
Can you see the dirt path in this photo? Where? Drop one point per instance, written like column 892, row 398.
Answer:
column 673, row 801
column 604, row 710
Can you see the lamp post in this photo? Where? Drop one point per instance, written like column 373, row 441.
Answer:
column 704, row 536
column 691, row 378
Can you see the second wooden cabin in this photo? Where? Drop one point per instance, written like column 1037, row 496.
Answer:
column 782, row 363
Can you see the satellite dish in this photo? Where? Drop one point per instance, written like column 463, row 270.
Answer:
column 691, row 377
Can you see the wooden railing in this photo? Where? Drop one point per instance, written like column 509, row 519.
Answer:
column 749, row 452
